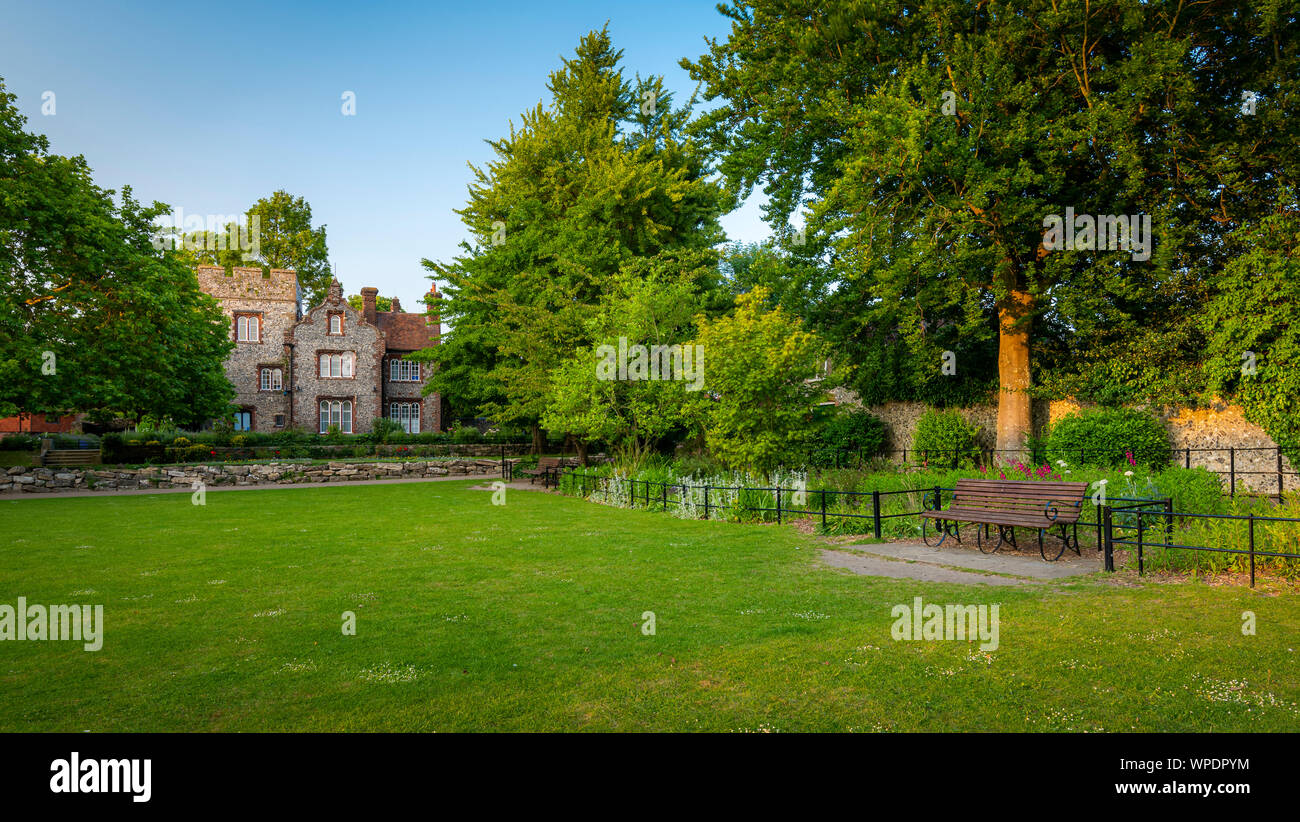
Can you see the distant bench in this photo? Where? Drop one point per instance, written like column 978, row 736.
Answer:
column 1010, row 504
column 546, row 467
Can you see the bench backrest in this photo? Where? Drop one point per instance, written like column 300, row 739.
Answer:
column 1028, row 497
column 549, row 462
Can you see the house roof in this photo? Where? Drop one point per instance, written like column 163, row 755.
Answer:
column 406, row 332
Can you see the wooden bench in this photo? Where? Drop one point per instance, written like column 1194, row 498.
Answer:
column 545, row 467
column 1009, row 504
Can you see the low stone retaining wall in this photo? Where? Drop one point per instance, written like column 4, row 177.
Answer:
column 22, row 479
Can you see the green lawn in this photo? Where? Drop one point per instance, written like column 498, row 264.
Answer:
column 528, row 617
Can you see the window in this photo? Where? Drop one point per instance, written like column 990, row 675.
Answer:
column 336, row 365
column 336, row 412
column 403, row 371
column 248, row 328
column 244, row 421
column 272, row 379
column 279, row 420
column 407, row 414
column 336, row 324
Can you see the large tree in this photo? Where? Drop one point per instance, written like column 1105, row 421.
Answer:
column 931, row 140
column 599, row 176
column 92, row 316
column 652, row 306
column 281, row 231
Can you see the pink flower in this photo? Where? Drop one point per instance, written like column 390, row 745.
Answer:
column 1131, row 461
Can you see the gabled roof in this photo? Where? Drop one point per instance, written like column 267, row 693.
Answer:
column 406, row 332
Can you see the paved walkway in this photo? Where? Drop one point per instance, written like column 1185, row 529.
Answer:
column 903, row 560
column 265, row 486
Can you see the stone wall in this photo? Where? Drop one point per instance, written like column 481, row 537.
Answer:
column 363, row 341
column 1220, row 438
column 274, row 300
column 21, row 479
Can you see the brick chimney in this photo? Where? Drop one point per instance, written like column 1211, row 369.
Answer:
column 368, row 296
column 397, row 306
column 432, row 315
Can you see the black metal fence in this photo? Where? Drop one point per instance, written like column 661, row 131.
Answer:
column 1278, row 469
column 1134, row 518
column 1136, row 522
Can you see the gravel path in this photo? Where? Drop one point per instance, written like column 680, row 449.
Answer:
column 901, row 560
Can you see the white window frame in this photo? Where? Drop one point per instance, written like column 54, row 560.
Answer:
column 336, row 319
column 407, row 414
column 337, row 366
column 248, row 328
column 271, row 379
column 336, row 412
column 400, row 370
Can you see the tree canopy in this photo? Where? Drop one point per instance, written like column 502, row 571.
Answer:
column 930, row 140
column 92, row 316
column 598, row 178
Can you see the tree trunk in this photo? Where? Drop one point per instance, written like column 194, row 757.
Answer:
column 1014, row 408
column 537, row 438
column 581, row 445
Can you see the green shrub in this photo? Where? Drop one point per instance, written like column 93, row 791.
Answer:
column 386, row 430
column 19, row 442
column 466, row 434
column 855, row 433
column 945, row 438
column 1106, row 437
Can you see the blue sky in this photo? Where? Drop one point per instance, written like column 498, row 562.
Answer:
column 209, row 107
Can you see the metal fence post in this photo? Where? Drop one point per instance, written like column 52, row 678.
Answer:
column 1251, row 519
column 665, row 497
column 706, row 501
column 1232, row 471
column 1139, row 513
column 875, row 512
column 823, row 509
column 1187, row 457
column 1109, row 545
column 1169, row 520
column 778, row 505
column 1280, row 485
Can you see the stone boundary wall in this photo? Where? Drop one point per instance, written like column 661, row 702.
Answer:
column 1220, row 427
column 22, row 479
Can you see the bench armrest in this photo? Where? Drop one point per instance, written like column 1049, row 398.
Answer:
column 1049, row 510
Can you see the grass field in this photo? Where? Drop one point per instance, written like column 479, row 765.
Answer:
column 529, row 616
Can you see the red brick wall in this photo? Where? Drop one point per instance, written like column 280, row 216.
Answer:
column 37, row 424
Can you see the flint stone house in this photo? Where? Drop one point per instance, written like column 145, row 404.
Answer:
column 331, row 365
